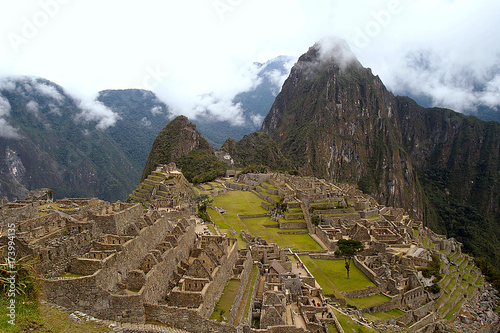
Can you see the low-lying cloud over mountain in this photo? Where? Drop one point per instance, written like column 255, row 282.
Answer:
column 197, row 61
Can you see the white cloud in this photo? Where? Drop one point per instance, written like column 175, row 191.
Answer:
column 6, row 130
column 48, row 90
column 257, row 119
column 206, row 54
column 32, row 107
column 157, row 109
column 145, row 122
column 222, row 109
column 4, row 106
column 55, row 110
column 7, row 84
column 93, row 110
column 491, row 94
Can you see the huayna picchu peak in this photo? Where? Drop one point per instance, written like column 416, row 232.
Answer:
column 335, row 120
column 351, row 209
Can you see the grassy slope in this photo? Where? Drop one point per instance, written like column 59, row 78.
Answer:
column 40, row 318
column 225, row 302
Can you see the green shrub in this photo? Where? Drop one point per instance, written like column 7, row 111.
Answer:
column 435, row 288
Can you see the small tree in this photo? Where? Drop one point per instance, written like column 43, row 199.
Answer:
column 203, row 201
column 348, row 248
column 315, row 219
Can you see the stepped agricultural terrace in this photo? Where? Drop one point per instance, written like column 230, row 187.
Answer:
column 152, row 260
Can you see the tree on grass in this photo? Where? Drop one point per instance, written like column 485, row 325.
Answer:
column 348, row 248
column 203, row 201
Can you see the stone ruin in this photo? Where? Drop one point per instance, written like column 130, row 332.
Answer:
column 393, row 255
column 132, row 263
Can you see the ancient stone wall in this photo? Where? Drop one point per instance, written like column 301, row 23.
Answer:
column 93, row 294
column 14, row 212
column 127, row 308
column 115, row 268
column 296, row 232
column 293, row 225
column 429, row 319
column 422, row 311
column 244, row 278
column 405, row 319
column 266, row 205
column 274, row 329
column 414, row 297
column 383, row 307
column 369, row 213
column 369, row 291
column 56, row 258
column 368, row 272
column 84, row 266
column 119, row 223
column 221, row 276
column 334, row 211
column 187, row 319
column 37, row 227
column 323, row 236
column 252, row 216
column 239, row 187
column 83, row 294
column 331, row 218
column 187, row 299
column 255, row 178
column 156, row 279
column 254, row 293
column 294, row 216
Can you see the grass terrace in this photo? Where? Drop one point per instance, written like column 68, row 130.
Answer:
column 332, row 328
column 336, row 273
column 223, row 306
column 270, row 186
column 350, row 326
column 249, row 292
column 247, row 203
column 275, row 197
column 240, row 202
column 365, row 302
column 281, row 220
column 384, row 315
column 34, row 317
column 331, row 276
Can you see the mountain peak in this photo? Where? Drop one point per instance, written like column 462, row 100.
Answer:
column 330, row 50
column 178, row 138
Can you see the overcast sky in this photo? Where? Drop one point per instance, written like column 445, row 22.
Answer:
column 198, row 54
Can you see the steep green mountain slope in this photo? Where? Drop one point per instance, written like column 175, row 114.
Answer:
column 457, row 159
column 181, row 143
column 54, row 146
column 334, row 119
column 256, row 149
column 141, row 117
